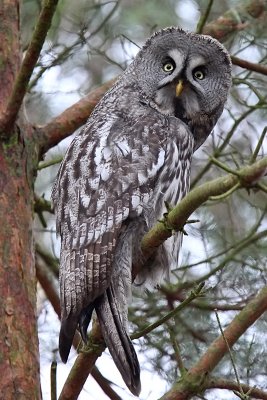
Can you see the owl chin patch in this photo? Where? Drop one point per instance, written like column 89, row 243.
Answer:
column 179, row 111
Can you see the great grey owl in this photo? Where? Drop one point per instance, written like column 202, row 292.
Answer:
column 132, row 156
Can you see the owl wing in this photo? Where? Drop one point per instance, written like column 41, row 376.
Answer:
column 107, row 176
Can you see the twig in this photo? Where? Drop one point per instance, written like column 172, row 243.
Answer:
column 104, row 383
column 258, row 147
column 193, row 295
column 228, row 23
column 262, row 187
column 47, row 281
column 223, row 196
column 228, row 349
column 260, row 68
column 202, row 305
column 177, row 352
column 41, row 205
column 244, row 244
column 46, row 164
column 53, row 378
column 223, row 166
column 204, row 18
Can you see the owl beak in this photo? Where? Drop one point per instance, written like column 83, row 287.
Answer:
column 179, row 88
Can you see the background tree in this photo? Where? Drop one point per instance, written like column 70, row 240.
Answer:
column 51, row 56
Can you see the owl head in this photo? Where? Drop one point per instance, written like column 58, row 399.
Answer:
column 185, row 75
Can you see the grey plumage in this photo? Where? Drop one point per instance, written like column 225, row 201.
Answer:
column 132, row 156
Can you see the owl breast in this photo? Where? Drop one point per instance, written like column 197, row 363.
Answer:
column 172, row 185
column 174, row 179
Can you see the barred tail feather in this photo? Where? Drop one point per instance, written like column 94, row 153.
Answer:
column 118, row 341
column 114, row 333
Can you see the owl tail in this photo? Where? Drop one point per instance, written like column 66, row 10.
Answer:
column 114, row 333
column 118, row 341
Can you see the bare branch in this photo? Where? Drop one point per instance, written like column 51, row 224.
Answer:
column 218, row 383
column 260, row 68
column 27, row 66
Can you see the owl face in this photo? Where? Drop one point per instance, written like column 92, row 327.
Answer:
column 185, row 74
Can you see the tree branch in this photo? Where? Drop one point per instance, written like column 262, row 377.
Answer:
column 260, row 68
column 83, row 365
column 218, row 383
column 172, row 295
column 27, row 66
column 196, row 379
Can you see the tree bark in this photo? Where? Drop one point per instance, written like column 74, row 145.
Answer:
column 9, row 49
column 19, row 357
column 19, row 360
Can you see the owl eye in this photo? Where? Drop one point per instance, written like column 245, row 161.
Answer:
column 199, row 74
column 168, row 67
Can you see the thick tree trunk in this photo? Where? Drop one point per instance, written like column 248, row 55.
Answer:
column 19, row 360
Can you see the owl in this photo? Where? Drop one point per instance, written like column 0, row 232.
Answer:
column 131, row 158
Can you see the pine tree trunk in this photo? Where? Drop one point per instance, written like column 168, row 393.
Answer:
column 19, row 362
column 19, row 359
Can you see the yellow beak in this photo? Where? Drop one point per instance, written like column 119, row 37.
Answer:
column 179, row 88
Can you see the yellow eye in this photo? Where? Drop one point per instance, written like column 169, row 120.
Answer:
column 168, row 67
column 198, row 74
